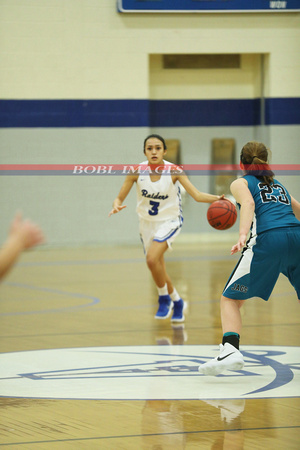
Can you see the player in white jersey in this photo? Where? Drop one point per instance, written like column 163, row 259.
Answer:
column 272, row 216
column 160, row 216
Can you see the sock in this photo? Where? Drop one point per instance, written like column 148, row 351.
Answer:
column 232, row 338
column 163, row 290
column 175, row 296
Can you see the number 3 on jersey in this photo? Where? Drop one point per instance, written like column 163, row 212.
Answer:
column 268, row 195
column 154, row 210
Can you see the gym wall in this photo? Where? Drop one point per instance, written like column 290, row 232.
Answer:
column 81, row 83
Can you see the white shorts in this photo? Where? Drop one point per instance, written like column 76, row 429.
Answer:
column 160, row 231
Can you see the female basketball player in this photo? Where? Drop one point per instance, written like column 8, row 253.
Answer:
column 272, row 248
column 160, row 216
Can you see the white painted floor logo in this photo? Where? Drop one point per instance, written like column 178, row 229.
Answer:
column 150, row 372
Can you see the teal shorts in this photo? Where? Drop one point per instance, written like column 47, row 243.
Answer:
column 263, row 259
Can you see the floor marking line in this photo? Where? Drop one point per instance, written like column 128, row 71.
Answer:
column 154, row 434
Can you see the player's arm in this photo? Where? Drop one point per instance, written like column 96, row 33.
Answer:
column 296, row 207
column 23, row 235
column 240, row 191
column 124, row 191
column 193, row 191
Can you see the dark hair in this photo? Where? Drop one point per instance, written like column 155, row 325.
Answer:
column 156, row 136
column 254, row 157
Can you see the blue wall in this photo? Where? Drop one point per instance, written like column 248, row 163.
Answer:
column 147, row 113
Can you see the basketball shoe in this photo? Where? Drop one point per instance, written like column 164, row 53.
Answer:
column 165, row 307
column 178, row 308
column 230, row 358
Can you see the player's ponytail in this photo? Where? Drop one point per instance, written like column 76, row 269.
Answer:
column 254, row 157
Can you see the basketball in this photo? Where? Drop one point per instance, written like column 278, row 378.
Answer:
column 222, row 214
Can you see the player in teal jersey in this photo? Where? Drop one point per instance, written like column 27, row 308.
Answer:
column 272, row 216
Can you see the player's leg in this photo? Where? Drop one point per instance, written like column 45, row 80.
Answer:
column 168, row 295
column 156, row 265
column 162, row 237
column 178, row 304
column 237, row 287
column 168, row 279
column 291, row 268
column 231, row 315
column 263, row 259
column 154, row 251
column 230, row 358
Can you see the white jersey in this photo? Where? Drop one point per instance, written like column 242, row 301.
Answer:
column 158, row 200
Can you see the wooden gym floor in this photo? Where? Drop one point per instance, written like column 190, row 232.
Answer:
column 104, row 297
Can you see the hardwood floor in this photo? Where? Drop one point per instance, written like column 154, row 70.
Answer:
column 92, row 298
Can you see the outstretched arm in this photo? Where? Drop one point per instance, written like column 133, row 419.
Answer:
column 124, row 191
column 193, row 191
column 240, row 191
column 23, row 235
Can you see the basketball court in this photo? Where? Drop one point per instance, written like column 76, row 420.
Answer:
column 84, row 364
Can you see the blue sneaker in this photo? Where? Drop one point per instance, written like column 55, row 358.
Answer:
column 165, row 307
column 178, row 311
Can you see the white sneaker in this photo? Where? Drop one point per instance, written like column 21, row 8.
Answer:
column 230, row 358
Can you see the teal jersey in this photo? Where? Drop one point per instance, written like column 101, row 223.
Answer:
column 272, row 206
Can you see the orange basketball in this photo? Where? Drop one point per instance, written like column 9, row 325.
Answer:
column 222, row 214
